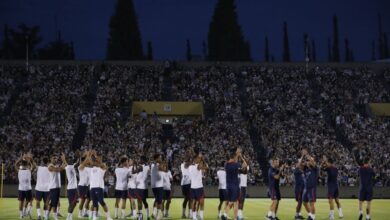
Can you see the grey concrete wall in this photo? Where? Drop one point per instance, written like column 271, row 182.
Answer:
column 253, row 192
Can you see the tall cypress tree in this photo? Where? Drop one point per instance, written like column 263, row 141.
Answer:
column 150, row 51
column 329, row 51
column 351, row 56
column 124, row 41
column 306, row 45
column 336, row 51
column 373, row 50
column 226, row 41
column 347, row 51
column 6, row 43
column 188, row 51
column 286, row 46
column 313, row 51
column 266, row 50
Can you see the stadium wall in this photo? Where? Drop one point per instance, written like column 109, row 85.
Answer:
column 252, row 191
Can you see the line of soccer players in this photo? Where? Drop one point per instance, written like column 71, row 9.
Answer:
column 306, row 176
column 132, row 183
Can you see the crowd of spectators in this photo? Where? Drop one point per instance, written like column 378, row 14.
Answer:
column 291, row 109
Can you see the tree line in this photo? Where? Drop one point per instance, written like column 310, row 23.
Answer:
column 225, row 40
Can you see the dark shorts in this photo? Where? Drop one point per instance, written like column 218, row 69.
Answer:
column 223, row 195
column 186, row 190
column 274, row 194
column 121, row 194
column 54, row 197
column 141, row 194
column 333, row 192
column 197, row 194
column 158, row 194
column 233, row 193
column 73, row 198
column 39, row 195
column 309, row 195
column 97, row 197
column 298, row 194
column 242, row 195
column 25, row 195
column 83, row 192
column 167, row 195
column 131, row 194
column 365, row 195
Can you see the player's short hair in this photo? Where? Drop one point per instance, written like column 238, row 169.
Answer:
column 222, row 164
column 232, row 154
column 156, row 156
column 45, row 160
column 366, row 160
column 144, row 159
column 123, row 160
column 330, row 160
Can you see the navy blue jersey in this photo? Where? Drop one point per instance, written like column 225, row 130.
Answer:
column 367, row 175
column 311, row 176
column 232, row 169
column 333, row 173
column 298, row 176
column 272, row 182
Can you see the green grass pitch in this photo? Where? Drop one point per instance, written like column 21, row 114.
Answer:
column 255, row 209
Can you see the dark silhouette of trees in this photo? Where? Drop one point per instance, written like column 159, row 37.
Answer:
column 373, row 50
column 16, row 40
column 124, row 41
column 150, row 51
column 188, row 51
column 57, row 50
column 385, row 46
column 286, row 46
column 226, row 41
column 336, row 50
column 266, row 50
column 204, row 50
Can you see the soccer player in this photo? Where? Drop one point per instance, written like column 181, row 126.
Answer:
column 121, row 174
column 72, row 187
column 131, row 186
column 24, row 165
column 233, row 168
column 298, row 188
column 141, row 192
column 367, row 175
column 167, row 182
column 310, row 185
column 243, row 185
column 42, row 187
column 96, row 176
column 83, row 188
column 274, row 175
column 55, row 183
column 223, row 197
column 156, row 174
column 333, row 187
column 197, row 193
column 186, row 186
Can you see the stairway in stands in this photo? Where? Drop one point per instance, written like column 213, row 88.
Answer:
column 254, row 133
column 19, row 87
column 90, row 98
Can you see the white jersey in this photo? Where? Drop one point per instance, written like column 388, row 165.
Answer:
column 156, row 176
column 142, row 177
column 96, row 177
column 221, row 174
column 121, row 174
column 43, row 175
column 131, row 181
column 185, row 175
column 71, row 176
column 167, row 178
column 244, row 179
column 55, row 180
column 24, row 177
column 196, row 177
column 84, row 176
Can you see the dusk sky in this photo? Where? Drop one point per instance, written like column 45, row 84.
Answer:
column 168, row 23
